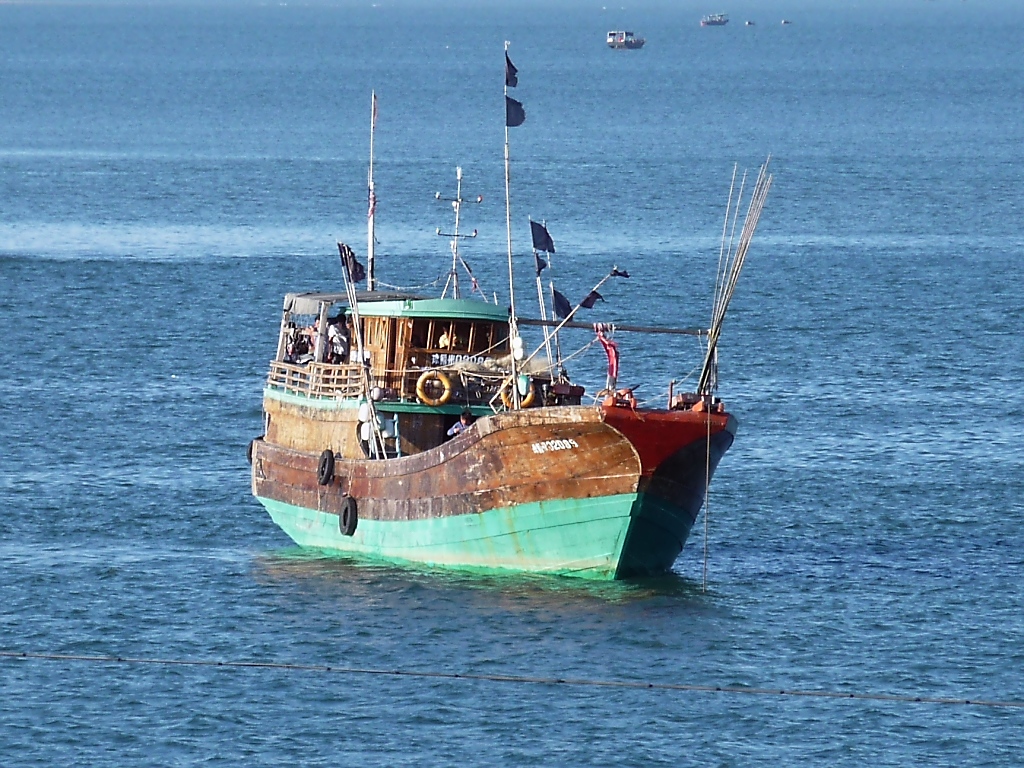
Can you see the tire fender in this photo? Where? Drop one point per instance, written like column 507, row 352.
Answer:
column 325, row 469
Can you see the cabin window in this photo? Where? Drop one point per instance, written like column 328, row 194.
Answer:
column 479, row 338
column 500, row 339
column 460, row 337
column 440, row 335
column 420, row 333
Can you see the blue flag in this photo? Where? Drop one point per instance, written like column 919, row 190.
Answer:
column 561, row 305
column 356, row 272
column 514, row 112
column 541, row 238
column 511, row 73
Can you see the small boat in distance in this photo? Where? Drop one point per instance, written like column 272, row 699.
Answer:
column 786, row 21
column 750, row 23
column 625, row 41
column 715, row 20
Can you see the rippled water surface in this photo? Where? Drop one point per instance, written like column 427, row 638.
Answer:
column 167, row 173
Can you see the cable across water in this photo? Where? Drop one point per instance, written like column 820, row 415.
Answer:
column 520, row 679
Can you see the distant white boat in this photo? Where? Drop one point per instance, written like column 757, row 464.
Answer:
column 749, row 23
column 625, row 41
column 786, row 21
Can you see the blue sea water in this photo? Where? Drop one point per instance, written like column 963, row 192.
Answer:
column 168, row 172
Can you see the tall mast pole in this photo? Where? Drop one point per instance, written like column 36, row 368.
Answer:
column 372, row 198
column 513, row 326
column 541, row 302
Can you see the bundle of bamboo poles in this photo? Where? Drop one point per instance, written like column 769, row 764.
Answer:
column 731, row 256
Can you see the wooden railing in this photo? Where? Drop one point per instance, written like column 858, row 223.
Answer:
column 316, row 379
column 323, row 380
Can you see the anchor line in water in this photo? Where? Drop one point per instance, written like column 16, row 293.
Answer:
column 520, row 679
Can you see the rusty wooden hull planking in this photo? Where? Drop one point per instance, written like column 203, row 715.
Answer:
column 594, row 491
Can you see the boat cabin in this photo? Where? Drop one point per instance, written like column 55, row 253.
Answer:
column 425, row 362
column 403, row 337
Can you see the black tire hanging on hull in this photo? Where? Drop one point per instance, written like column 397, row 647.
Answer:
column 348, row 519
column 325, row 469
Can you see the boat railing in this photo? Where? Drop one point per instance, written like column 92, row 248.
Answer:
column 320, row 380
column 329, row 381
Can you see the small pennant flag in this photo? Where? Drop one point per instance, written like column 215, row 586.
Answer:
column 514, row 112
column 511, row 73
column 561, row 305
column 356, row 272
column 541, row 239
column 539, row 263
column 591, row 300
column 616, row 272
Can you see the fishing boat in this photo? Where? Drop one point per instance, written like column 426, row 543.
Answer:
column 417, row 429
column 625, row 41
column 715, row 20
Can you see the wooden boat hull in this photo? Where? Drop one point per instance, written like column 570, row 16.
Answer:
column 580, row 491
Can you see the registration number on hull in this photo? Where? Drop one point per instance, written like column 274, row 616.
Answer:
column 555, row 445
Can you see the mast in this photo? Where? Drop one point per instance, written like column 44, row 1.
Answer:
column 453, row 274
column 547, row 247
column 544, row 317
column 371, row 198
column 515, row 342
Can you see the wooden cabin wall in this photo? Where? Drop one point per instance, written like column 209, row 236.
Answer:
column 312, row 430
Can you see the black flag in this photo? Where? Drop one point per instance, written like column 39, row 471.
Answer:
column 539, row 263
column 616, row 272
column 514, row 113
column 591, row 300
column 355, row 271
column 511, row 73
column 562, row 306
column 541, row 239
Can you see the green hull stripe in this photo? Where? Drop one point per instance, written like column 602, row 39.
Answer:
column 573, row 537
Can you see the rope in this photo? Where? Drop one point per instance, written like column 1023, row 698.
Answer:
column 707, row 502
column 576, row 682
column 436, row 281
column 579, row 351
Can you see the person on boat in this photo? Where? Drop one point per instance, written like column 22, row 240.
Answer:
column 308, row 335
column 297, row 349
column 337, row 338
column 465, row 419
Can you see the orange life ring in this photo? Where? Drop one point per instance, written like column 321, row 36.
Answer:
column 422, row 384
column 526, row 402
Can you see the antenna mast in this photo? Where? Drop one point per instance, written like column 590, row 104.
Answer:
column 515, row 342
column 371, row 197
column 453, row 275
